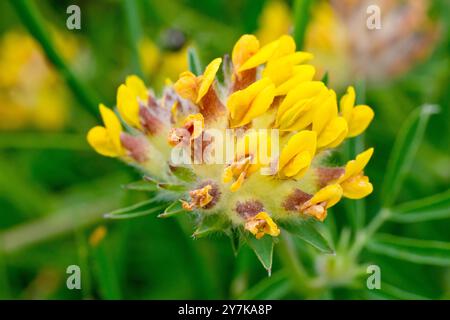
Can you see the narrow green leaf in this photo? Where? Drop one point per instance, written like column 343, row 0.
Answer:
column 430, row 208
column 183, row 173
column 404, row 150
column 141, row 186
column 172, row 210
column 306, row 229
column 398, row 293
column 263, row 249
column 106, row 273
column 194, row 61
column 302, row 12
column 165, row 185
column 135, row 210
column 413, row 250
column 133, row 25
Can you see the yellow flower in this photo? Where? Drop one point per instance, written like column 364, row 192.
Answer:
column 245, row 47
column 250, row 150
column 322, row 200
column 200, row 198
column 245, row 105
column 297, row 155
column 297, row 110
column 285, row 70
column 194, row 88
column 274, row 21
column 281, row 47
column 353, row 182
column 262, row 224
column 128, row 97
column 331, row 129
column 282, row 64
column 106, row 140
column 358, row 117
column 194, row 123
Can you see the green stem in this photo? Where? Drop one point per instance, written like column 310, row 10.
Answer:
column 363, row 236
column 34, row 22
column 134, row 33
column 302, row 12
column 292, row 263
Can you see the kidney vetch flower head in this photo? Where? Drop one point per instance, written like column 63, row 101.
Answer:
column 244, row 155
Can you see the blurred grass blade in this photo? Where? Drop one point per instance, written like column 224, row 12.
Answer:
column 391, row 292
column 106, row 274
column 275, row 287
column 134, row 33
column 302, row 12
column 356, row 209
column 194, row 61
column 404, row 150
column 413, row 250
column 430, row 208
column 306, row 230
column 34, row 22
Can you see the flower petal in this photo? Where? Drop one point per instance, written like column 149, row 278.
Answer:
column 361, row 117
column 357, row 187
column 330, row 194
column 187, row 86
column 137, row 87
column 297, row 154
column 208, row 78
column 113, row 126
column 128, row 106
column 301, row 74
column 245, row 47
column 347, row 102
column 333, row 134
column 355, row 167
column 99, row 139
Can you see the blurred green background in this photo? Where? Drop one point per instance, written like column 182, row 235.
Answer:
column 54, row 189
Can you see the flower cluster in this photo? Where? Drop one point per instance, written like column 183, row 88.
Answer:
column 261, row 87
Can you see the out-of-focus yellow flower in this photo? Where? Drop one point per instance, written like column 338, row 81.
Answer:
column 158, row 64
column 322, row 200
column 251, row 102
column 358, row 117
column 297, row 155
column 262, row 224
column 354, row 183
column 106, row 140
column 128, row 97
column 31, row 91
column 97, row 236
column 274, row 21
